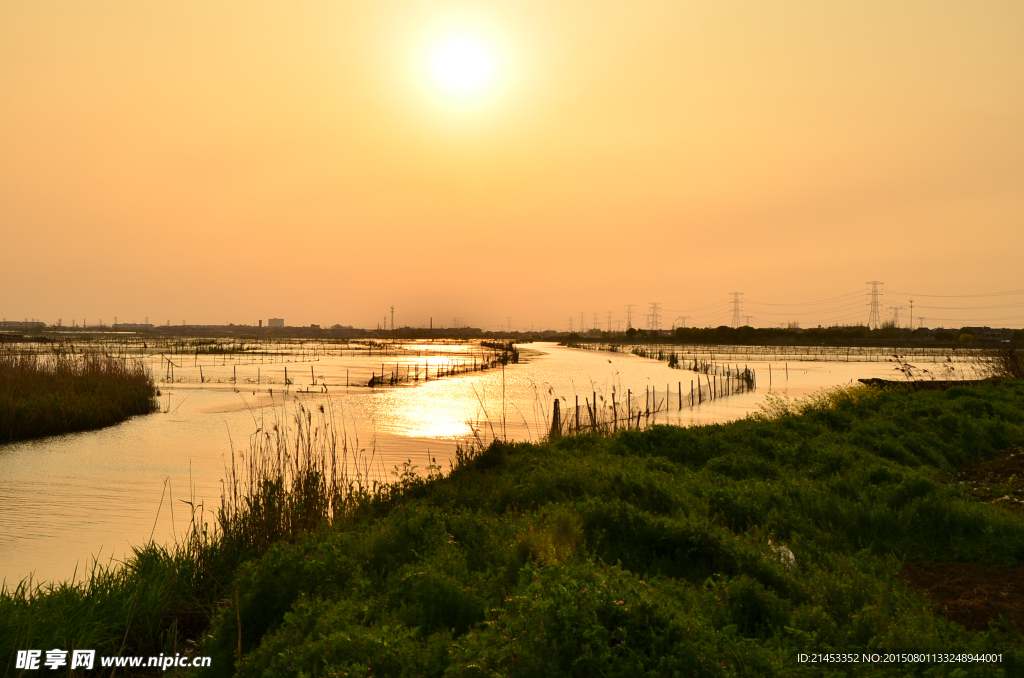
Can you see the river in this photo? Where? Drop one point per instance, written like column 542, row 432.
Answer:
column 66, row 500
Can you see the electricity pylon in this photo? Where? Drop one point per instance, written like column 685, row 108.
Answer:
column 875, row 316
column 653, row 318
column 736, row 308
column 896, row 314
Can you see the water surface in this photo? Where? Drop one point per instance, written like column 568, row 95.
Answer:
column 67, row 499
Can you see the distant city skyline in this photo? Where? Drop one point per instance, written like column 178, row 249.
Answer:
column 511, row 163
column 996, row 309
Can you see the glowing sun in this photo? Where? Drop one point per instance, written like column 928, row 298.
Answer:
column 463, row 65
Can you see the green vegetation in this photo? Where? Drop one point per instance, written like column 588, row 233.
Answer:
column 62, row 391
column 708, row 551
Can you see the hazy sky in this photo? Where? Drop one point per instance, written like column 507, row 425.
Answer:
column 229, row 161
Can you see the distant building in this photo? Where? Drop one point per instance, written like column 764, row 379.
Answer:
column 990, row 334
column 18, row 325
column 314, row 327
column 275, row 322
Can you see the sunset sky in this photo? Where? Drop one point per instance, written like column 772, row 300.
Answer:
column 216, row 162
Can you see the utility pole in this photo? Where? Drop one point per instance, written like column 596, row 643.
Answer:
column 875, row 316
column 655, row 322
column 629, row 316
column 736, row 308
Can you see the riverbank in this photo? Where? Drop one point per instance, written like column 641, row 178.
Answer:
column 63, row 392
column 711, row 550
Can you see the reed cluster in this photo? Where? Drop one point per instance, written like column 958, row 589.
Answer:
column 1007, row 362
column 61, row 391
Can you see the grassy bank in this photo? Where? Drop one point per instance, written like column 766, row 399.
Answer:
column 62, row 392
column 711, row 551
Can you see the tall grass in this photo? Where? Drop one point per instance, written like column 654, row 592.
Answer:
column 1008, row 362
column 61, row 391
column 302, row 472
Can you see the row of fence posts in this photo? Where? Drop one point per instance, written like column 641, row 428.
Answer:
column 446, row 369
column 393, row 377
column 720, row 383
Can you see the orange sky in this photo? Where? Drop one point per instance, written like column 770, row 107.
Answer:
column 229, row 161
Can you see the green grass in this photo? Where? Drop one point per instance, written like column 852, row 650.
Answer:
column 62, row 392
column 646, row 553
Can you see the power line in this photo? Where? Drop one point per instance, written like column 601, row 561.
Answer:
column 833, row 309
column 807, row 303
column 973, row 308
column 960, row 296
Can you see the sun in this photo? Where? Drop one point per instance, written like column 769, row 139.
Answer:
column 462, row 66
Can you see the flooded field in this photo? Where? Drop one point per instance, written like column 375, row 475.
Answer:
column 66, row 499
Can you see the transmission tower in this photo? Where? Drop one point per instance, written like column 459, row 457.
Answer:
column 392, row 317
column 595, row 325
column 875, row 316
column 570, row 324
column 896, row 314
column 736, row 308
column 748, row 317
column 682, row 324
column 609, row 321
column 629, row 316
column 583, row 326
column 653, row 318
